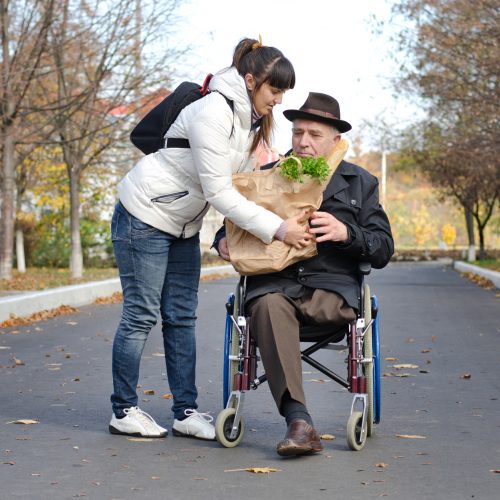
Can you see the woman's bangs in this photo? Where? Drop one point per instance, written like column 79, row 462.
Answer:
column 282, row 75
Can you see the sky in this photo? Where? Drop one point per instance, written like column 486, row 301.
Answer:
column 329, row 42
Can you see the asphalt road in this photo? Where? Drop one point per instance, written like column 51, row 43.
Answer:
column 57, row 372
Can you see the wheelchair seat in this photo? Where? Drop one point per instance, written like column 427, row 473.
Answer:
column 317, row 333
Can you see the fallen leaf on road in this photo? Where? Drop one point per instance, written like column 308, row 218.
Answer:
column 18, row 362
column 495, row 471
column 392, row 374
column 466, row 376
column 327, row 437
column 391, row 359
column 381, row 465
column 149, row 392
column 25, row 421
column 410, row 436
column 72, row 323
column 167, row 396
column 159, row 354
column 404, row 365
column 426, row 350
column 140, row 440
column 155, row 477
column 9, row 463
column 255, row 470
column 200, row 478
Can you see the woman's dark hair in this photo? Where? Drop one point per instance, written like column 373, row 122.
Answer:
column 266, row 65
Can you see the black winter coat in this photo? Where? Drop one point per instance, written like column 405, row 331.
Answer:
column 352, row 197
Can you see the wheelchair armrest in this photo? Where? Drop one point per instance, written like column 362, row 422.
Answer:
column 364, row 268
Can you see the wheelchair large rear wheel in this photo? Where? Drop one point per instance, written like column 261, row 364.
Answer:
column 223, row 427
column 368, row 353
column 231, row 348
column 377, row 403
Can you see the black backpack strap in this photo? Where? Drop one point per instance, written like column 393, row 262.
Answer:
column 174, row 142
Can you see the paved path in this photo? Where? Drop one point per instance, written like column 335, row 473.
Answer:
column 431, row 317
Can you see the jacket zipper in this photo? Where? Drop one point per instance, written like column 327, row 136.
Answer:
column 183, row 233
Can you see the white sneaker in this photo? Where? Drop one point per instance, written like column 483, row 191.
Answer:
column 136, row 423
column 196, row 425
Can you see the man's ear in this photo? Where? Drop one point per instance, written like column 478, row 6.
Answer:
column 250, row 81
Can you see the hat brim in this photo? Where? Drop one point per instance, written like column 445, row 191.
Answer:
column 294, row 114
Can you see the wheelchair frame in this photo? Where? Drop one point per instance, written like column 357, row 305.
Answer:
column 363, row 366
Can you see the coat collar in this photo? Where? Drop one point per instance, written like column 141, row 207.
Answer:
column 338, row 181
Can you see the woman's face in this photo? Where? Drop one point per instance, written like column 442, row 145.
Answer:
column 265, row 97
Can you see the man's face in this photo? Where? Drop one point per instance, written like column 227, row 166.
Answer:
column 313, row 139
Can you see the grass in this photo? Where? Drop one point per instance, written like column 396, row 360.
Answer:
column 492, row 264
column 42, row 278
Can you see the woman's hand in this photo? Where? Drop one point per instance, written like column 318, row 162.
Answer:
column 329, row 227
column 224, row 249
column 297, row 234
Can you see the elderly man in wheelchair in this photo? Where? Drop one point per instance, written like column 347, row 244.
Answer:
column 350, row 228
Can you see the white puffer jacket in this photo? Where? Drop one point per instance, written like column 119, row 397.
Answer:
column 172, row 188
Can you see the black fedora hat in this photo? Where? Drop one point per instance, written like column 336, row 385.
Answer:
column 319, row 108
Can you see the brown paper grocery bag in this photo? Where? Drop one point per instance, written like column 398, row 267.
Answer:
column 268, row 188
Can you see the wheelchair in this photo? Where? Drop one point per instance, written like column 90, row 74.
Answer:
column 359, row 339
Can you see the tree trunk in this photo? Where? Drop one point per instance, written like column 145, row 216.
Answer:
column 76, row 258
column 7, row 203
column 7, row 130
column 21, row 262
column 469, row 222
column 482, row 251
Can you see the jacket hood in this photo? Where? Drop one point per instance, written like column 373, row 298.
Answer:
column 230, row 84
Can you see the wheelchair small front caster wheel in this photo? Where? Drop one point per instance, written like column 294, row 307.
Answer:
column 354, row 428
column 223, row 427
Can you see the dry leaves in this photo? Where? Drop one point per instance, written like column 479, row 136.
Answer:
column 39, row 316
column 327, row 437
column 255, row 470
column 25, row 421
column 167, row 396
column 479, row 280
column 410, row 436
column 149, row 392
column 112, row 299
column 403, row 366
column 466, row 376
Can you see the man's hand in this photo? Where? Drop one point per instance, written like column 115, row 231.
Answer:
column 297, row 234
column 223, row 249
column 330, row 228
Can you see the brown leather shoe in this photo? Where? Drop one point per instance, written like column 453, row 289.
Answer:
column 300, row 439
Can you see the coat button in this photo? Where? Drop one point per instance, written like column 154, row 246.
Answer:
column 353, row 202
column 301, row 269
column 302, row 280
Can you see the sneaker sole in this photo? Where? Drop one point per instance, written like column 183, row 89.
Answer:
column 114, row 430
column 177, row 433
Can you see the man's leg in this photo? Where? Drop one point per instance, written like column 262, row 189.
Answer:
column 275, row 327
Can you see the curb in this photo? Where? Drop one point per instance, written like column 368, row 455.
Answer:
column 493, row 276
column 25, row 304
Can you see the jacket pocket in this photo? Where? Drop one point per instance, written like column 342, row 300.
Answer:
column 169, row 198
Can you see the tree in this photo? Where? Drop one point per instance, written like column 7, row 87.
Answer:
column 452, row 67
column 95, row 52
column 24, row 28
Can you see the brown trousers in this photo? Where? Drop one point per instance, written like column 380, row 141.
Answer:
column 274, row 324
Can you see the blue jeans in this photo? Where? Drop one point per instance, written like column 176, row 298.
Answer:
column 159, row 273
